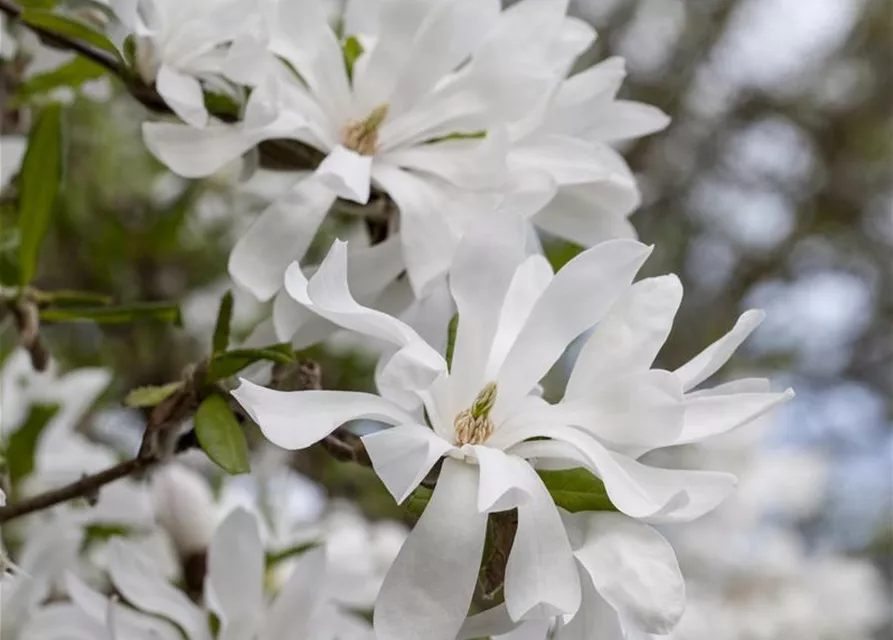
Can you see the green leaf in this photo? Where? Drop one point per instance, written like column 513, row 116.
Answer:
column 220, row 436
column 353, row 49
column 39, row 182
column 577, row 490
column 451, row 339
column 230, row 363
column 64, row 298
column 222, row 326
column 55, row 23
column 151, row 396
column 22, row 442
column 155, row 311
column 72, row 74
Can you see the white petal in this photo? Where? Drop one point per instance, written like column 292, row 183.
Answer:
column 414, row 366
column 297, row 600
column 568, row 160
column 530, row 281
column 625, row 120
column 483, row 269
column 129, row 622
column 450, row 32
column 541, row 577
column 492, row 622
column 428, row 589
column 581, row 98
column 303, row 36
column 133, row 575
column 429, row 239
column 403, row 455
column 712, row 415
column 642, row 411
column 665, row 495
column 235, row 579
column 347, row 173
column 708, row 362
column 561, row 313
column 634, row 568
column 595, row 619
column 183, row 94
column 63, row 621
column 370, row 271
column 298, row 419
column 576, row 220
column 629, row 337
column 278, row 237
column 470, row 164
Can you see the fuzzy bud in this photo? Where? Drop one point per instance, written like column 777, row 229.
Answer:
column 184, row 506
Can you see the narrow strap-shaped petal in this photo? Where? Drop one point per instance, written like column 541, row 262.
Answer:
column 403, row 455
column 183, row 94
column 235, row 579
column 429, row 209
column 629, row 337
column 132, row 574
column 541, row 579
column 298, row 419
column 279, row 236
column 428, row 590
column 415, row 365
column 483, row 269
column 127, row 622
column 633, row 568
column 562, row 313
column 707, row 416
column 293, row 608
column 709, row 361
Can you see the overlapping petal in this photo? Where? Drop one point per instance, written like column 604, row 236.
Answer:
column 403, row 455
column 427, row 592
column 633, row 568
column 298, row 419
column 235, row 578
column 541, row 579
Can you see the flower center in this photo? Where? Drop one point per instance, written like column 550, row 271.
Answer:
column 362, row 135
column 473, row 426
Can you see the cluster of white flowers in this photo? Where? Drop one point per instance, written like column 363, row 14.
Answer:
column 466, row 119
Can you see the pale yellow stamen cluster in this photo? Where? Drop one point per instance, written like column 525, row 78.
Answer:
column 473, row 426
column 362, row 135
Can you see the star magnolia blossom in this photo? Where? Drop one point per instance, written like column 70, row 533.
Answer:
column 449, row 107
column 488, row 423
column 181, row 44
column 234, row 588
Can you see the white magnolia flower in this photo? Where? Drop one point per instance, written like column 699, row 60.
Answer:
column 447, row 107
column 234, row 588
column 487, row 421
column 43, row 559
column 181, row 44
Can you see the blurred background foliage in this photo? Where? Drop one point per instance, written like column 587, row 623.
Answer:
column 771, row 188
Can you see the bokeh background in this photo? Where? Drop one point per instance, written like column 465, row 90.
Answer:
column 772, row 188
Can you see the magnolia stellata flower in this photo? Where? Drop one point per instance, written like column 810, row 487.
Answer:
column 487, row 421
column 234, row 588
column 447, row 107
column 180, row 44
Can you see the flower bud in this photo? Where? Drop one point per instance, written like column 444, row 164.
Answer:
column 184, row 506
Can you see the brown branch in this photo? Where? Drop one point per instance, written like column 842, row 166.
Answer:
column 84, row 488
